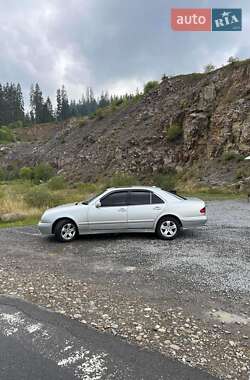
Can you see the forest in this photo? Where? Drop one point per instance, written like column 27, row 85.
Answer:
column 41, row 110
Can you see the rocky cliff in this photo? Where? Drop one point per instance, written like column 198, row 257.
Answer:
column 211, row 113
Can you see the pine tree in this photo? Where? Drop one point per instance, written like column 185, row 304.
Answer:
column 65, row 104
column 58, row 105
column 48, row 114
column 36, row 103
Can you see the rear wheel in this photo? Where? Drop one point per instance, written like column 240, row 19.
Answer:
column 168, row 228
column 65, row 230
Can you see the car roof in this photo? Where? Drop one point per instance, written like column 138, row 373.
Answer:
column 135, row 188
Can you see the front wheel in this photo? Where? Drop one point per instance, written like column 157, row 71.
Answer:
column 168, row 228
column 65, row 230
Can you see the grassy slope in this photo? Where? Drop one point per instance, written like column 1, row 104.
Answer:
column 12, row 197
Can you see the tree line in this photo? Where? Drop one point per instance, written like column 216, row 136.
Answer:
column 12, row 108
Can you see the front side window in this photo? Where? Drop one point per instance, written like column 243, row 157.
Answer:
column 137, row 198
column 115, row 199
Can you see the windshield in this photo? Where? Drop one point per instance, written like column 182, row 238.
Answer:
column 91, row 199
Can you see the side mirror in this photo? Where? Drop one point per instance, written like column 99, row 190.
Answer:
column 98, row 204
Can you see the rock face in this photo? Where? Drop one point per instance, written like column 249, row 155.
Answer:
column 212, row 109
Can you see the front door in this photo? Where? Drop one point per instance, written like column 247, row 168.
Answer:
column 112, row 215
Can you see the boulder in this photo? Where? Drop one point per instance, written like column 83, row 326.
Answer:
column 12, row 217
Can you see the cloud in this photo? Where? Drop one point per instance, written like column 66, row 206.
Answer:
column 109, row 45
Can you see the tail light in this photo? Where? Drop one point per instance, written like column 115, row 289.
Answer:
column 203, row 211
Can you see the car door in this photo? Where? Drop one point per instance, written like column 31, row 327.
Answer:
column 111, row 214
column 143, row 209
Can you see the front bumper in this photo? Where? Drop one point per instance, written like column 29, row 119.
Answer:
column 45, row 228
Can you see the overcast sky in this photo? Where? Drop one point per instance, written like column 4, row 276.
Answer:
column 107, row 44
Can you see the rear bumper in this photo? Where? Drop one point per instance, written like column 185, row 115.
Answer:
column 194, row 222
column 45, row 228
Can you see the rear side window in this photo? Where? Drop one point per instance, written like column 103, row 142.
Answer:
column 139, row 198
column 115, row 199
column 156, row 200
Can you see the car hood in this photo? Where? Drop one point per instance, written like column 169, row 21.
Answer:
column 64, row 208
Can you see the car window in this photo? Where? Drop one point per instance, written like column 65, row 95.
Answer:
column 156, row 199
column 116, row 199
column 139, row 198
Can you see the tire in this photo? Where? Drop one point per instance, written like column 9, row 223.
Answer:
column 168, row 228
column 66, row 231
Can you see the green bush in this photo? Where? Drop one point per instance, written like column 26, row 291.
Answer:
column 100, row 114
column 82, row 122
column 42, row 172
column 165, row 181
column 2, row 174
column 209, row 68
column 57, row 183
column 120, row 180
column 232, row 156
column 26, row 173
column 41, row 198
column 118, row 102
column 151, row 85
column 6, row 135
column 16, row 124
column 242, row 173
column 8, row 174
column 92, row 115
column 174, row 132
column 233, row 59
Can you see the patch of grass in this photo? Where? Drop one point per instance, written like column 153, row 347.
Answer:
column 122, row 180
column 30, row 200
column 214, row 196
column 82, row 122
column 57, row 183
column 87, row 187
column 28, row 221
column 174, row 132
column 41, row 198
column 232, row 156
column 6, row 135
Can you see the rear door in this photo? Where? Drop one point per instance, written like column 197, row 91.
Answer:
column 143, row 209
column 112, row 215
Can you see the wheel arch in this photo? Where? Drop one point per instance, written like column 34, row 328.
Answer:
column 167, row 215
column 63, row 218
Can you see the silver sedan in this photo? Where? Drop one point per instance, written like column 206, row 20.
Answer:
column 133, row 209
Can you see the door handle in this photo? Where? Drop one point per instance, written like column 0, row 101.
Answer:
column 157, row 208
column 122, row 210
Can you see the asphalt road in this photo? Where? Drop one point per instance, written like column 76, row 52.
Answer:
column 37, row 344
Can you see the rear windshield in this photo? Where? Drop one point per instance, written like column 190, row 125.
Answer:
column 177, row 196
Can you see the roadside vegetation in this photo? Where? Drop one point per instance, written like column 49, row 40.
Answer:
column 26, row 193
column 174, row 133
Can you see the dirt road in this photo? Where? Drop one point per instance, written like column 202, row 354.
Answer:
column 188, row 298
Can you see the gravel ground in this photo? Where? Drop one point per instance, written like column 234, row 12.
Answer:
column 188, row 298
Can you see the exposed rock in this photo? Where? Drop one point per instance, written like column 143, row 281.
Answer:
column 212, row 109
column 12, row 217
